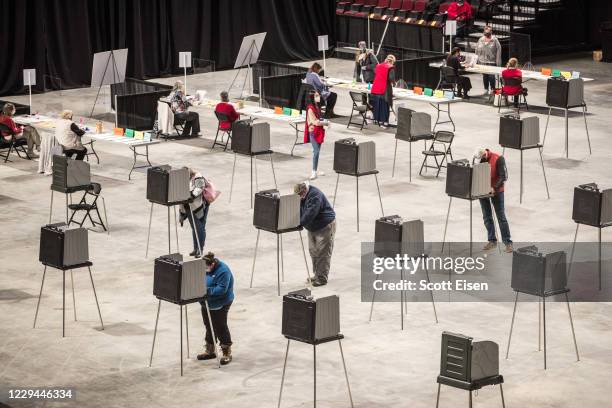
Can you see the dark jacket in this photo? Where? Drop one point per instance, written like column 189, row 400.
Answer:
column 219, row 286
column 453, row 62
column 315, row 210
column 366, row 68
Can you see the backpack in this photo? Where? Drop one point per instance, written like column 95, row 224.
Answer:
column 210, row 192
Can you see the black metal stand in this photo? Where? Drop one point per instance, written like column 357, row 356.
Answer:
column 64, row 269
column 280, row 264
column 268, row 152
column 186, row 331
column 569, row 270
column 314, row 350
column 173, row 205
column 375, row 173
column 539, row 147
column 584, row 109
column 542, row 322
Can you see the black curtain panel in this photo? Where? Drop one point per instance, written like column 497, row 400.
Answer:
column 59, row 37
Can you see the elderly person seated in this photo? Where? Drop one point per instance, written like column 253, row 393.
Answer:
column 21, row 132
column 68, row 135
column 313, row 79
column 180, row 106
column 226, row 108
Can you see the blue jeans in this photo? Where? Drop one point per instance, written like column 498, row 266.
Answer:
column 487, row 215
column 200, row 227
column 316, row 149
column 488, row 80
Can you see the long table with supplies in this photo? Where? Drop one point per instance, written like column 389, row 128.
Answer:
column 401, row 94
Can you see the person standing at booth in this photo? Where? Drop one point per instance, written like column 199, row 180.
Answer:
column 499, row 175
column 197, row 206
column 314, row 131
column 382, row 90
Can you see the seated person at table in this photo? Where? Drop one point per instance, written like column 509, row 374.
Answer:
column 21, row 132
column 312, row 78
column 180, row 106
column 463, row 83
column 512, row 71
column 228, row 110
column 460, row 11
column 68, row 134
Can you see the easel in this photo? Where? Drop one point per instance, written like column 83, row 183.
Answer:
column 252, row 155
column 280, row 262
column 116, row 77
column 539, row 147
column 250, row 54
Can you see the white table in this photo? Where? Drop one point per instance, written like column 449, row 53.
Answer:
column 45, row 126
column 493, row 70
column 130, row 142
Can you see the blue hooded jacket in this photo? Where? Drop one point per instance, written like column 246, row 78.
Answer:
column 219, row 286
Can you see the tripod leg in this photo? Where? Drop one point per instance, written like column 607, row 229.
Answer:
column 394, row 156
column 95, row 296
column 181, row 330
column 572, row 326
column 305, row 259
column 433, row 302
column 348, row 385
column 544, row 172
column 501, row 390
column 382, row 211
column 539, row 324
column 282, row 259
column 544, row 324
column 586, row 127
column 273, row 172
column 280, row 394
column 357, row 181
column 212, row 329
column 232, row 183
column 336, row 191
column 571, row 259
column 51, row 207
column 155, row 333
column 438, row 397
column 176, row 230
column 149, row 231
column 278, row 264
column 450, row 201
column 39, row 296
column 254, row 258
column 512, row 325
column 63, row 303
column 73, row 298
column 169, row 240
column 187, row 330
column 372, row 305
column 314, row 373
column 546, row 128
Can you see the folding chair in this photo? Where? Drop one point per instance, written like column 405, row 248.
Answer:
column 443, row 139
column 222, row 117
column 361, row 107
column 523, row 93
column 448, row 79
column 12, row 144
column 89, row 207
column 91, row 151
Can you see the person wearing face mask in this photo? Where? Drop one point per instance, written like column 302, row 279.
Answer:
column 314, row 130
column 460, row 11
column 382, row 90
column 313, row 79
column 220, row 295
column 180, row 106
column 489, row 53
column 499, row 176
column 365, row 64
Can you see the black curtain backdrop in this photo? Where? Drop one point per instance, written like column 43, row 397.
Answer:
column 59, row 37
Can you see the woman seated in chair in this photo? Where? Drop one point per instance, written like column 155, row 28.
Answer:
column 21, row 132
column 228, row 110
column 68, row 134
column 513, row 74
column 464, row 84
column 180, row 106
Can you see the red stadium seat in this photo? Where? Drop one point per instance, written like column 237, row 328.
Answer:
column 355, row 7
column 343, row 6
column 381, row 7
column 405, row 9
column 394, row 6
column 443, row 7
column 419, row 6
column 367, row 8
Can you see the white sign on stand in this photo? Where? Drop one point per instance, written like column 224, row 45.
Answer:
column 185, row 62
column 29, row 79
column 450, row 29
column 323, row 42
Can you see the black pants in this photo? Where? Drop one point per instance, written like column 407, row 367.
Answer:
column 464, row 84
column 192, row 122
column 219, row 321
column 330, row 102
column 80, row 154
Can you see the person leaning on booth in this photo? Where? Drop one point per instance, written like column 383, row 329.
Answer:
column 382, row 90
column 180, row 106
column 197, row 206
column 68, row 134
column 220, row 295
column 21, row 132
column 512, row 71
column 313, row 79
column 228, row 110
column 499, row 175
column 318, row 217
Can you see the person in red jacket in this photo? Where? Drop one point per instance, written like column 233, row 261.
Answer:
column 499, row 175
column 21, row 132
column 228, row 109
column 512, row 71
column 460, row 11
column 314, row 130
column 382, row 90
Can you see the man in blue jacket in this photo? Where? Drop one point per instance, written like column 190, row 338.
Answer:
column 220, row 295
column 319, row 219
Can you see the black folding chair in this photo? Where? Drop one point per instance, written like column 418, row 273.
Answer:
column 440, row 146
column 517, row 97
column 448, row 80
column 12, row 144
column 177, row 123
column 90, row 206
column 360, row 107
column 91, row 151
column 222, row 117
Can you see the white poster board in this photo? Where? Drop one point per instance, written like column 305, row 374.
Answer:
column 29, row 77
column 109, row 67
column 450, row 28
column 185, row 59
column 323, row 42
column 249, row 50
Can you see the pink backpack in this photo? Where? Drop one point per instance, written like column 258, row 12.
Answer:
column 210, row 193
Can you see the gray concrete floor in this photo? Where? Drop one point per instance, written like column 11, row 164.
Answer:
column 387, row 367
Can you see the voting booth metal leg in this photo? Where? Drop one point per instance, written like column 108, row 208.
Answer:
column 409, row 161
column 51, row 207
column 471, row 229
column 305, row 259
column 586, row 127
column 433, row 302
column 181, row 330
column 42, row 283
column 357, row 181
column 394, row 157
column 187, row 330
column 73, row 298
column 566, row 133
column 314, row 374
column 278, row 264
column 450, row 201
column 155, row 332
column 599, row 256
column 176, row 230
column 149, row 231
column 336, row 191
column 282, row 259
column 254, row 258
column 382, row 211
column 402, row 294
column 66, row 208
column 512, row 325
column 196, row 235
column 546, row 128
column 232, row 182
column 169, row 240
column 251, row 180
column 544, row 171
column 544, row 326
column 95, row 296
column 348, row 385
column 569, row 312
column 256, row 175
column 212, row 329
column 521, row 184
column 64, row 303
column 280, row 394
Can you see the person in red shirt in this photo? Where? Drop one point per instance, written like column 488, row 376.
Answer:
column 512, row 71
column 460, row 11
column 228, row 109
column 21, row 132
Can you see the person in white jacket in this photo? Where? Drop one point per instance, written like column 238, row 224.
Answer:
column 197, row 206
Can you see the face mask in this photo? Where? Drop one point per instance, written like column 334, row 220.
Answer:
column 317, row 99
column 488, row 35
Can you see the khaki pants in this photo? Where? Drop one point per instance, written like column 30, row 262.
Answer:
column 32, row 137
column 321, row 246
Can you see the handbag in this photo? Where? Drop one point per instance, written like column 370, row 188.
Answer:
column 210, row 192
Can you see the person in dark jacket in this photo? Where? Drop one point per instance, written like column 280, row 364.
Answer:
column 463, row 83
column 220, row 295
column 499, row 175
column 313, row 78
column 365, row 64
column 319, row 219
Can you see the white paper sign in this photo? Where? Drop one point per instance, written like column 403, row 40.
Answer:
column 323, row 42
column 185, row 59
column 451, row 27
column 29, row 77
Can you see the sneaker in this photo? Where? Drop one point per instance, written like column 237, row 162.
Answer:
column 310, row 280
column 509, row 248
column 490, row 245
column 208, row 354
column 319, row 282
column 313, row 175
column 320, row 173
column 195, row 253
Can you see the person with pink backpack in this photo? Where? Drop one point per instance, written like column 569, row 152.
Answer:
column 203, row 193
